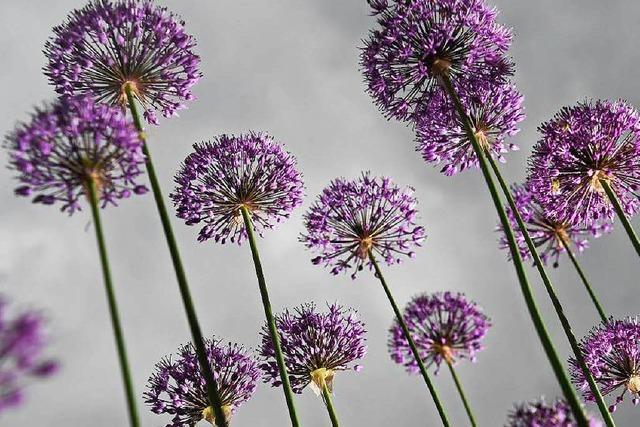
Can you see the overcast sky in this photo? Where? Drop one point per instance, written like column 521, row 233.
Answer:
column 291, row 68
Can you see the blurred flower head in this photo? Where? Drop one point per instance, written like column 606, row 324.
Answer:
column 540, row 414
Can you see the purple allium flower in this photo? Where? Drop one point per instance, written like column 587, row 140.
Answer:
column 445, row 327
column 612, row 354
column 351, row 218
column 540, row 414
column 494, row 111
column 178, row 388
column 580, row 146
column 71, row 142
column 22, row 344
column 315, row 345
column 418, row 41
column 547, row 233
column 221, row 177
column 108, row 44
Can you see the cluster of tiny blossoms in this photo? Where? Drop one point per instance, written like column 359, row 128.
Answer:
column 540, row 414
column 108, row 44
column 612, row 353
column 549, row 235
column 71, row 142
column 418, row 41
column 249, row 171
column 178, row 388
column 580, row 147
column 22, row 344
column 315, row 345
column 350, row 219
column 445, row 326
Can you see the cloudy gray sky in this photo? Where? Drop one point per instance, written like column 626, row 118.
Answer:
column 291, row 68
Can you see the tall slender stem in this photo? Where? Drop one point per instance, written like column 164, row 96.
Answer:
column 271, row 323
column 326, row 394
column 583, row 277
column 412, row 344
column 467, row 407
column 113, row 307
column 623, row 217
column 183, row 285
column 525, row 287
column 566, row 326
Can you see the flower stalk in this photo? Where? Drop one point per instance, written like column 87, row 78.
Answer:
column 185, row 293
column 113, row 306
column 412, row 344
column 620, row 212
column 326, row 396
column 284, row 376
column 463, row 396
column 534, row 312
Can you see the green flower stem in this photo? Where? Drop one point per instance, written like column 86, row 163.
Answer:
column 113, row 307
column 534, row 312
column 412, row 344
column 185, row 293
column 326, row 394
column 623, row 217
column 587, row 286
column 577, row 351
column 273, row 332
column 467, row 407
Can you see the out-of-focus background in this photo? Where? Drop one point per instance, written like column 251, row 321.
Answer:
column 291, row 68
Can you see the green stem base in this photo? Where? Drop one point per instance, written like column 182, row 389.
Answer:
column 463, row 397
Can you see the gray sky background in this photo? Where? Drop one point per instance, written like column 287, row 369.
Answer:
column 291, row 68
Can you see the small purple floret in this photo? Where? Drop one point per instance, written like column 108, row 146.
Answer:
column 220, row 177
column 312, row 341
column 540, row 414
column 70, row 143
column 446, row 327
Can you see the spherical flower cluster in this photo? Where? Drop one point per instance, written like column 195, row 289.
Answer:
column 350, row 219
column 445, row 327
column 540, row 414
column 22, row 344
column 580, row 147
column 549, row 235
column 178, row 388
column 494, row 112
column 220, row 178
column 109, row 44
column 70, row 143
column 315, row 345
column 419, row 41
column 612, row 353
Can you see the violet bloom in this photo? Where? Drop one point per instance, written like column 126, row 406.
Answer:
column 548, row 234
column 221, row 177
column 22, row 345
column 178, row 388
column 108, row 45
column 419, row 41
column 540, row 414
column 445, row 327
column 351, row 218
column 612, row 354
column 315, row 345
column 494, row 111
column 581, row 146
column 72, row 142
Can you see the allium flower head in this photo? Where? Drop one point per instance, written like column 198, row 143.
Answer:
column 494, row 111
column 315, row 345
column 22, row 345
column 445, row 327
column 581, row 146
column 109, row 44
column 220, row 178
column 72, row 142
column 178, row 388
column 351, row 218
column 540, row 414
column 612, row 354
column 419, row 41
column 547, row 233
